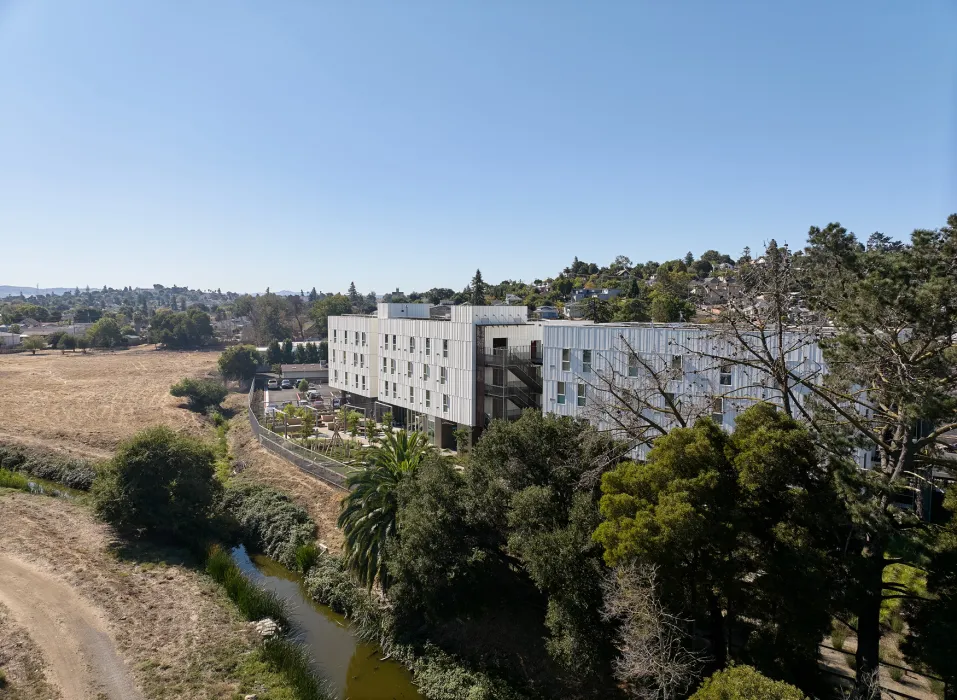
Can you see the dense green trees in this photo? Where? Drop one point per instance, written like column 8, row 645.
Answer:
column 180, row 329
column 333, row 305
column 369, row 511
column 105, row 333
column 159, row 485
column 239, row 362
column 743, row 531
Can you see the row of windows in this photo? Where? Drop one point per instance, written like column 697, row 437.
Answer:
column 677, row 363
column 428, row 344
column 358, row 359
column 389, row 366
column 356, row 379
column 428, row 395
column 580, row 397
column 359, row 338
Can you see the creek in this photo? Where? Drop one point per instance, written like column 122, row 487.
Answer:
column 354, row 668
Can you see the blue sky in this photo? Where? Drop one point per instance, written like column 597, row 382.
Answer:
column 403, row 144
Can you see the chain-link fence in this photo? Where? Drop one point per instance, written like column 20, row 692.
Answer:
column 323, row 468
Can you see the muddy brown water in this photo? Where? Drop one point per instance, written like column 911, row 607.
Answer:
column 354, row 668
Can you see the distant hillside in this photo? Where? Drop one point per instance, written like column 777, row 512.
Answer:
column 11, row 291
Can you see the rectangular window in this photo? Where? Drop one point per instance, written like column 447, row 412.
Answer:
column 363, row 382
column 725, row 379
column 717, row 410
column 335, row 333
column 363, row 338
column 347, row 379
column 428, row 346
column 669, row 399
column 677, row 362
column 425, row 371
column 345, row 337
column 395, row 390
column 581, row 394
column 632, row 365
column 357, row 381
column 408, row 372
column 428, row 398
column 442, row 375
column 445, row 403
column 362, row 361
column 355, row 359
column 411, row 395
column 411, row 344
column 385, row 388
column 566, row 359
column 586, row 360
column 445, row 348
column 333, row 355
column 561, row 392
column 391, row 366
column 385, row 365
column 335, row 375
column 393, row 341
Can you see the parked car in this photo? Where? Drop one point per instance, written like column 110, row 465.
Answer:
column 286, row 384
column 272, row 384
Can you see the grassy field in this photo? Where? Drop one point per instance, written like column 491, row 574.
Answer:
column 86, row 404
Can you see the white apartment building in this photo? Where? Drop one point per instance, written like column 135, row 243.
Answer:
column 427, row 365
column 437, row 368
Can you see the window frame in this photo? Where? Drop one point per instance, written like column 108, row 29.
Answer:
column 580, row 395
column 586, row 364
column 443, row 375
column 560, row 394
column 566, row 359
column 445, row 347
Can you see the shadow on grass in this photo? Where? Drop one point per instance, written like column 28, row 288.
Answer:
column 159, row 554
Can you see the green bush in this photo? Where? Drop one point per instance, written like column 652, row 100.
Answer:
column 13, row 480
column 303, row 386
column 306, row 556
column 838, row 635
column 269, row 522
column 201, row 394
column 239, row 362
column 160, row 485
column 744, row 683
column 75, row 473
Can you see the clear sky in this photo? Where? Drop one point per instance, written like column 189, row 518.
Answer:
column 246, row 144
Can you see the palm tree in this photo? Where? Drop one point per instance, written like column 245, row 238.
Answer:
column 369, row 511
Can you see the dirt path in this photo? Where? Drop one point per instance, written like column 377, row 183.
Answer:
column 80, row 656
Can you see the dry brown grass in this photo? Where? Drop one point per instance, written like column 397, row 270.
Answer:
column 86, row 404
column 172, row 625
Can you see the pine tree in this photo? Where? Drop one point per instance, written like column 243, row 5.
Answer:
column 689, row 258
column 313, row 295
column 353, row 294
column 478, row 289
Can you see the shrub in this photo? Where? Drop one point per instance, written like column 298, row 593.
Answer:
column 201, row 394
column 269, row 521
column 303, row 386
column 744, row 683
column 159, row 485
column 34, row 343
column 306, row 556
column 13, row 480
column 74, row 473
column 838, row 635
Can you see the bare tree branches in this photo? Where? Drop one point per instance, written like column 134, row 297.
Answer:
column 656, row 661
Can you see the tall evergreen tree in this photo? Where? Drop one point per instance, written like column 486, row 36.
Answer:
column 478, row 290
column 353, row 295
column 313, row 295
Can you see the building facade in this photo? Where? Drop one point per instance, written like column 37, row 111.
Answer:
column 427, row 365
